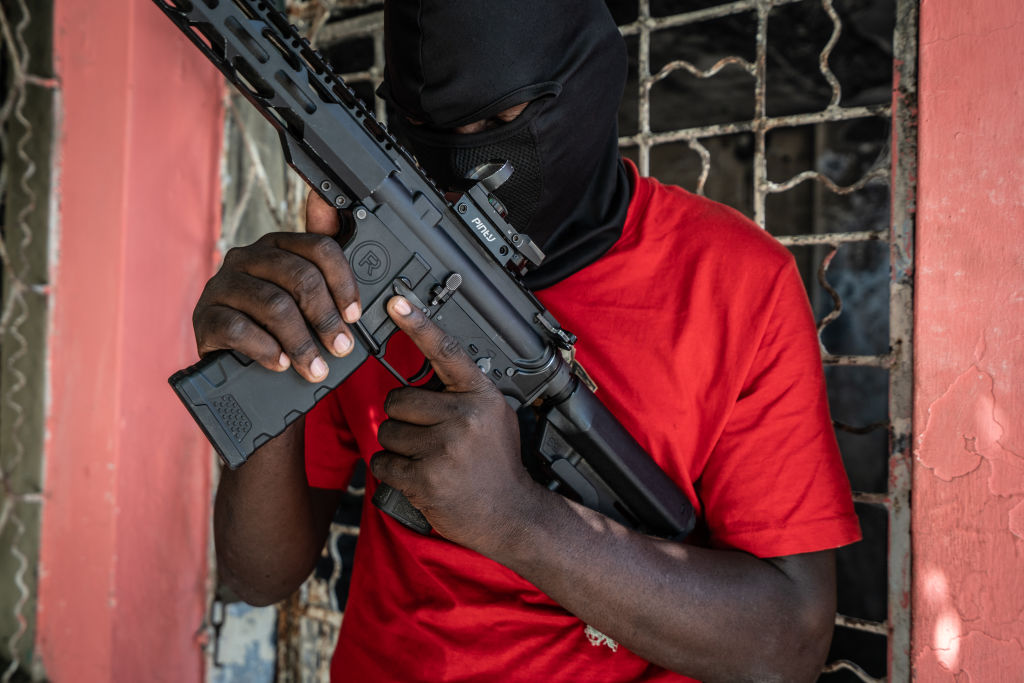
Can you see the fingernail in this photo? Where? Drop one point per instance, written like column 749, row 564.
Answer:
column 284, row 361
column 318, row 367
column 351, row 312
column 402, row 306
column 342, row 343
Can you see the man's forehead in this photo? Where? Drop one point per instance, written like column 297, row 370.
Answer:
column 450, row 63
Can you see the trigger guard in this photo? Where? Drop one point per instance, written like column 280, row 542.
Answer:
column 424, row 370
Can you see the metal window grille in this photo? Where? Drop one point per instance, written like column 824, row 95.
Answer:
column 847, row 215
column 27, row 96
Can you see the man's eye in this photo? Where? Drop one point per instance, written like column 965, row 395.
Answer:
column 501, row 119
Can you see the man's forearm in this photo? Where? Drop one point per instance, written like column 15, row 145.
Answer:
column 268, row 525
column 710, row 614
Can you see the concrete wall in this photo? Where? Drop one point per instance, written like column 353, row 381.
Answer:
column 127, row 482
column 968, row 503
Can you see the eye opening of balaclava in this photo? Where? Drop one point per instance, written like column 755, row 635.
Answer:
column 527, row 93
column 449, row 156
column 450, row 64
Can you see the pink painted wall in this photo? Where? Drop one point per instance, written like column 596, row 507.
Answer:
column 968, row 502
column 124, row 534
column 123, row 557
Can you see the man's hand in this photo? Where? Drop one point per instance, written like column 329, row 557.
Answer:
column 262, row 303
column 454, row 454
column 711, row 614
column 266, row 297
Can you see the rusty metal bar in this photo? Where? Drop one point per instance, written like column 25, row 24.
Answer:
column 645, row 22
column 880, row 499
column 837, row 302
column 26, row 138
column 901, row 264
column 644, row 95
column 881, row 361
column 826, row 52
column 833, row 238
column 760, row 112
column 680, row 64
column 768, row 123
column 899, row 176
column 705, row 164
column 878, row 173
column 866, row 625
column 847, row 665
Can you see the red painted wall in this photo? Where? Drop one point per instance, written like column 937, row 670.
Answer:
column 127, row 483
column 968, row 502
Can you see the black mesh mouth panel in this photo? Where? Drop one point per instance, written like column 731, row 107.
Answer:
column 521, row 192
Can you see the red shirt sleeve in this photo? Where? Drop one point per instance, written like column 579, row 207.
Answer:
column 331, row 449
column 774, row 484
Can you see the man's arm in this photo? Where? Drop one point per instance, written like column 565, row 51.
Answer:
column 710, row 614
column 269, row 524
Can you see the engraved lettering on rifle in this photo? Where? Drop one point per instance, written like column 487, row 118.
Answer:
column 371, row 262
column 483, row 230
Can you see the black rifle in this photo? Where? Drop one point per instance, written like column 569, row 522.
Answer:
column 453, row 260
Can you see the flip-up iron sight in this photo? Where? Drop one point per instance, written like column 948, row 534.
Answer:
column 515, row 247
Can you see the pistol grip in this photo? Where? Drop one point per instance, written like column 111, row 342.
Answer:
column 394, row 503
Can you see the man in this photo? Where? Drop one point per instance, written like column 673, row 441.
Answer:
column 692, row 321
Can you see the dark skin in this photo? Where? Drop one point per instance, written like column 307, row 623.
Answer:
column 715, row 615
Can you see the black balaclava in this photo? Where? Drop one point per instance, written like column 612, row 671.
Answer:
column 452, row 63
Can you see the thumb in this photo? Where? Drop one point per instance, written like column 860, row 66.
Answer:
column 321, row 217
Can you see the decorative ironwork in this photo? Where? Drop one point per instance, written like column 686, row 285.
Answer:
column 309, row 622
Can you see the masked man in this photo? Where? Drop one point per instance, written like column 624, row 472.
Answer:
column 692, row 321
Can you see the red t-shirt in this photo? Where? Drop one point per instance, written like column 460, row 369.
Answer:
column 697, row 330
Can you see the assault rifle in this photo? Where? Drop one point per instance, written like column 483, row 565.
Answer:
column 458, row 261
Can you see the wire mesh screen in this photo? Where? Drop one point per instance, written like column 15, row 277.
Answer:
column 27, row 97
column 797, row 113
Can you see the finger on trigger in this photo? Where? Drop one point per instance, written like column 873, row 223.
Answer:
column 452, row 365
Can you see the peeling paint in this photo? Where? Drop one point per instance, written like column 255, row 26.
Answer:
column 1016, row 520
column 992, row 661
column 968, row 485
column 964, row 426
